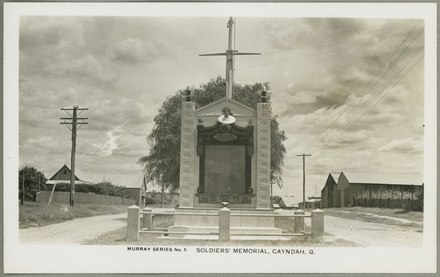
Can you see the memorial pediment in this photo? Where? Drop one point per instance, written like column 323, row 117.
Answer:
column 215, row 109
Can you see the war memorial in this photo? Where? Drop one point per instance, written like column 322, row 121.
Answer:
column 224, row 170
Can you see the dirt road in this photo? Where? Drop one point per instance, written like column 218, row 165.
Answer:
column 373, row 234
column 369, row 234
column 73, row 231
column 363, row 233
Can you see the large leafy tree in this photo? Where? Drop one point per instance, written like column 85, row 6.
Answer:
column 161, row 165
column 34, row 180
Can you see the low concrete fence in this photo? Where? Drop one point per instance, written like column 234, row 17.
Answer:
column 63, row 197
column 142, row 222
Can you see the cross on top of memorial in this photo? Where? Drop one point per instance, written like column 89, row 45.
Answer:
column 230, row 59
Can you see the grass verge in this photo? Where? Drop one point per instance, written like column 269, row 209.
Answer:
column 118, row 237
column 396, row 217
column 37, row 215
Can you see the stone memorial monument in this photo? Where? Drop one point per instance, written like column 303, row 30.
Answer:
column 225, row 161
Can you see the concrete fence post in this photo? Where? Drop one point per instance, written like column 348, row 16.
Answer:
column 133, row 223
column 317, row 224
column 147, row 218
column 224, row 224
column 298, row 221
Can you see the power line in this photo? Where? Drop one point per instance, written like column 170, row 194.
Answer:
column 335, row 36
column 386, row 92
column 375, row 101
column 335, row 121
column 336, row 49
column 380, row 94
column 320, row 43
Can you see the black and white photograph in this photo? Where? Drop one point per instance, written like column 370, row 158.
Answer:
column 220, row 137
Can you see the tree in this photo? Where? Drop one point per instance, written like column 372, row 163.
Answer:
column 162, row 164
column 101, row 188
column 34, row 181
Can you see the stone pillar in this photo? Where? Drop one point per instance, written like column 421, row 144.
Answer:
column 187, row 152
column 317, row 224
column 224, row 224
column 133, row 223
column 299, row 221
column 263, row 156
column 147, row 218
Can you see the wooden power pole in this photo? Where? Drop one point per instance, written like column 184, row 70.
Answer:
column 73, row 121
column 304, row 177
column 22, row 189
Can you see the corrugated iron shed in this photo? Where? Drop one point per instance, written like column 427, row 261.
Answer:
column 391, row 178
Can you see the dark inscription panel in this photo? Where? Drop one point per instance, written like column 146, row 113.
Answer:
column 225, row 169
column 233, row 199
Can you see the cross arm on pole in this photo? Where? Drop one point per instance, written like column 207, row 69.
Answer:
column 230, row 54
column 235, row 53
column 212, row 54
column 71, row 109
column 244, row 53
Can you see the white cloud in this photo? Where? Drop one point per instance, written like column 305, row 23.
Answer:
column 111, row 65
column 107, row 148
column 408, row 145
column 134, row 50
column 338, row 138
column 303, row 97
column 130, row 50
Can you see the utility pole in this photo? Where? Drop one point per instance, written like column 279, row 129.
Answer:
column 271, row 192
column 22, row 190
column 304, row 177
column 161, row 193
column 73, row 121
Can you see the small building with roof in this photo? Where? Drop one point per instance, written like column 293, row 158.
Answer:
column 138, row 192
column 314, row 201
column 328, row 192
column 278, row 202
column 387, row 190
column 290, row 202
column 62, row 176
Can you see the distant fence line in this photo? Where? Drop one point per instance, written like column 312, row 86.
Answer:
column 406, row 197
column 63, row 197
column 405, row 203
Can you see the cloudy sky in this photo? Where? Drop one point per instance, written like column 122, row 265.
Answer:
column 349, row 92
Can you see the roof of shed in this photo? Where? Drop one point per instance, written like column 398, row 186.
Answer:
column 394, row 178
column 335, row 175
column 289, row 200
column 313, row 200
column 63, row 177
column 77, row 182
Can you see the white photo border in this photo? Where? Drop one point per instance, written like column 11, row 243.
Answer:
column 116, row 259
